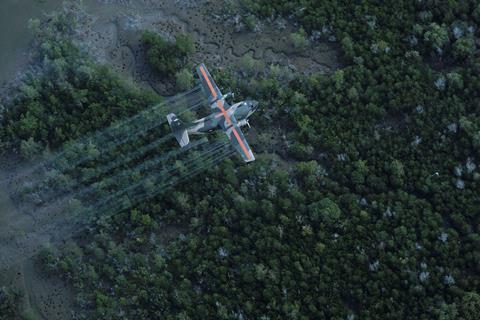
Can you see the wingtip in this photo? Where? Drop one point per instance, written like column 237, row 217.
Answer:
column 251, row 159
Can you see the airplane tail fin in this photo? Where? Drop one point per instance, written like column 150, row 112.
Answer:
column 178, row 129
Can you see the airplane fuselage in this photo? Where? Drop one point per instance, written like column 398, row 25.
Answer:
column 241, row 111
column 223, row 116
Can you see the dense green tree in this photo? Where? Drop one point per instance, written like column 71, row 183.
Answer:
column 464, row 48
column 8, row 304
column 299, row 39
column 30, row 148
column 166, row 57
column 184, row 79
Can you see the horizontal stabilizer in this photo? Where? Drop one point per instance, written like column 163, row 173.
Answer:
column 178, row 130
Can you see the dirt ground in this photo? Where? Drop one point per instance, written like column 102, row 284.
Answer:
column 43, row 296
column 112, row 35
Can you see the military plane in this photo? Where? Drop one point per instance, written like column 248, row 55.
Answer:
column 227, row 117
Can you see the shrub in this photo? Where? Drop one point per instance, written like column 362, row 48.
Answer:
column 165, row 57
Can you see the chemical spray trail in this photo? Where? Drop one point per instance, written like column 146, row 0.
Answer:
column 56, row 201
column 72, row 217
column 119, row 133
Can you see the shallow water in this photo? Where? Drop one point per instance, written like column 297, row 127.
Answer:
column 14, row 32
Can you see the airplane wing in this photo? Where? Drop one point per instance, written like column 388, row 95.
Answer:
column 218, row 104
column 208, row 84
column 239, row 142
column 227, row 122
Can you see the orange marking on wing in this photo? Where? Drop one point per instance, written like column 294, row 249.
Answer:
column 224, row 113
column 209, row 83
column 242, row 145
column 214, row 94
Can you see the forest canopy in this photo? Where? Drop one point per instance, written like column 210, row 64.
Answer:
column 167, row 57
column 365, row 206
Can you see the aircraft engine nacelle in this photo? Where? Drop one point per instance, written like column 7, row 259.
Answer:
column 224, row 97
column 244, row 122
